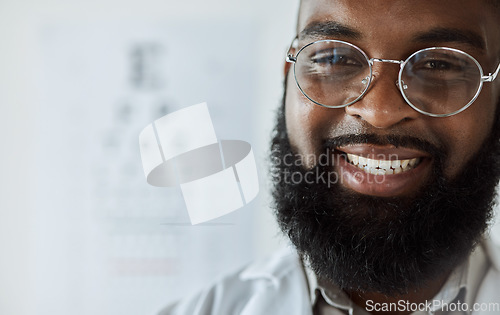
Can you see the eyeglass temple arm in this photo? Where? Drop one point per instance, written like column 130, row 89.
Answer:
column 289, row 56
column 492, row 76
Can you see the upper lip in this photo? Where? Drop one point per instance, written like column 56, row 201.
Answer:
column 386, row 152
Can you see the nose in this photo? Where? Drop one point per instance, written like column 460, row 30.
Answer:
column 383, row 106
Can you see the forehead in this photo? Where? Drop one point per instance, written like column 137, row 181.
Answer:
column 390, row 21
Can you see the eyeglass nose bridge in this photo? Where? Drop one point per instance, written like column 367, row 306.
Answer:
column 401, row 64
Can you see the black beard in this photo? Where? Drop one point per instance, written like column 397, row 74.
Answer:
column 386, row 245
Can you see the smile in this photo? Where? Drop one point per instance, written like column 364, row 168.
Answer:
column 382, row 167
column 383, row 170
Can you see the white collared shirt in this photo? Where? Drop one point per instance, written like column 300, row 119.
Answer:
column 278, row 286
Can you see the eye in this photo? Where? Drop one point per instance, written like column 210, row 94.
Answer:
column 441, row 65
column 436, row 64
column 335, row 58
column 439, row 68
column 330, row 61
column 439, row 62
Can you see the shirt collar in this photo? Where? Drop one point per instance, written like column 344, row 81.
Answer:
column 457, row 282
column 454, row 288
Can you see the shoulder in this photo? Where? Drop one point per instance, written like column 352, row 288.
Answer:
column 262, row 285
column 492, row 251
column 484, row 275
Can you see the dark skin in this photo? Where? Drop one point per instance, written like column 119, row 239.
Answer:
column 394, row 30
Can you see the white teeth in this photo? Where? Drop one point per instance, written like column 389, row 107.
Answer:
column 355, row 159
column 382, row 167
column 362, row 161
column 385, row 164
column 372, row 163
column 380, row 171
column 404, row 163
column 413, row 162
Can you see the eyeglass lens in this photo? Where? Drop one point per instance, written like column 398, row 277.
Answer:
column 436, row 81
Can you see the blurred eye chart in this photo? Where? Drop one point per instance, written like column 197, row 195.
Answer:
column 108, row 242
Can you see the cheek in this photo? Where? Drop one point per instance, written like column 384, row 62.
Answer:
column 299, row 125
column 467, row 131
column 305, row 122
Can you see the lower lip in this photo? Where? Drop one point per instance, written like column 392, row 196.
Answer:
column 383, row 185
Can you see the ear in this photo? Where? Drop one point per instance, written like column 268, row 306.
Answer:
column 286, row 68
column 291, row 52
column 287, row 65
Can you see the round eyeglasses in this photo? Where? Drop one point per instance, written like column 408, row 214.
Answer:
column 436, row 81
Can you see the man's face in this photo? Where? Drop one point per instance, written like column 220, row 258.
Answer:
column 395, row 232
column 389, row 30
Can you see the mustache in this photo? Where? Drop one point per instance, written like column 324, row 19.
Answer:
column 395, row 140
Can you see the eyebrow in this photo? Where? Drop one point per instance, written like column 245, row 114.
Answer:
column 451, row 35
column 329, row 28
column 433, row 36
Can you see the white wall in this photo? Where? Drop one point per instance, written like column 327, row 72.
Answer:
column 21, row 61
